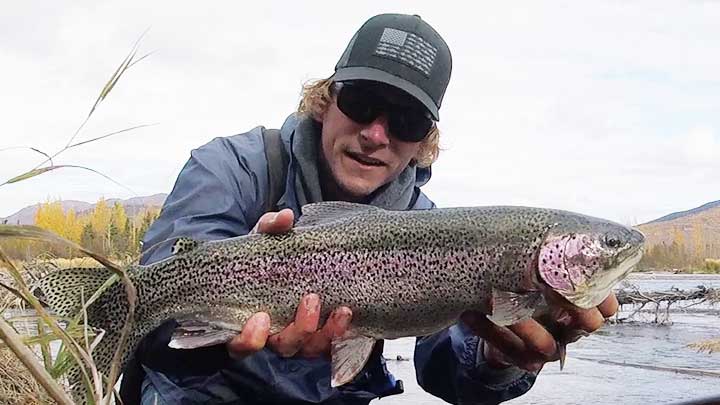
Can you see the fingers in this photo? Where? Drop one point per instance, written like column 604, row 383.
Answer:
column 275, row 222
column 529, row 344
column 588, row 320
column 319, row 343
column 593, row 319
column 500, row 337
column 609, row 307
column 525, row 344
column 301, row 336
column 253, row 337
column 494, row 357
column 289, row 341
column 536, row 338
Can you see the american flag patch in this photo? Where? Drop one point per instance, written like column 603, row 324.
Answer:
column 407, row 48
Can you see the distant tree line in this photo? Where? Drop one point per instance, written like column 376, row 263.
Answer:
column 693, row 250
column 105, row 229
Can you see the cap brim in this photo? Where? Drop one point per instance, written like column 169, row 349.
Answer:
column 368, row 73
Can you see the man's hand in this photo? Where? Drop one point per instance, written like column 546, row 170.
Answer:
column 302, row 335
column 529, row 344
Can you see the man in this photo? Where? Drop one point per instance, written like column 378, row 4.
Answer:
column 367, row 134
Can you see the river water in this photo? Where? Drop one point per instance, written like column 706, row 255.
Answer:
column 587, row 377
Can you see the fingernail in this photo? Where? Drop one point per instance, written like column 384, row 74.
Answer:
column 273, row 218
column 261, row 320
column 565, row 319
column 342, row 318
column 312, row 303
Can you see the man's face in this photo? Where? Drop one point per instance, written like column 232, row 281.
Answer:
column 362, row 157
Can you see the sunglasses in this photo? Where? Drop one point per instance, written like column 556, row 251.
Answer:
column 363, row 104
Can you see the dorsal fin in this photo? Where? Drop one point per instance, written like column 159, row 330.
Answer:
column 326, row 212
column 184, row 245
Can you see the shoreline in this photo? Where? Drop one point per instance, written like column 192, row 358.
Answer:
column 668, row 274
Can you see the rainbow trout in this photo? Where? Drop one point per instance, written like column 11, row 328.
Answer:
column 403, row 273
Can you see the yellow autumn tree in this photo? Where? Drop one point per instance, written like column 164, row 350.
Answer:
column 117, row 233
column 679, row 249
column 50, row 216
column 99, row 221
column 700, row 240
column 100, row 217
column 118, row 217
column 74, row 226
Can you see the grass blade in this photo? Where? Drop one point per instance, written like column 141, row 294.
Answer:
column 110, row 84
column 27, row 357
column 44, row 345
column 32, row 173
column 110, row 134
column 39, row 171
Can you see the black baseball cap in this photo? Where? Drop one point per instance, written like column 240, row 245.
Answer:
column 403, row 51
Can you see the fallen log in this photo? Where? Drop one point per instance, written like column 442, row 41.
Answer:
column 634, row 296
column 660, row 302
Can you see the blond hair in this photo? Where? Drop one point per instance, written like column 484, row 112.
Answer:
column 317, row 96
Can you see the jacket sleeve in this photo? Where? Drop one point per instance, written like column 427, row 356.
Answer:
column 217, row 195
column 450, row 365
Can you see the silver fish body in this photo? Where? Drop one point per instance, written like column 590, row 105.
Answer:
column 403, row 273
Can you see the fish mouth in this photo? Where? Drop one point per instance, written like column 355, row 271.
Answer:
column 596, row 289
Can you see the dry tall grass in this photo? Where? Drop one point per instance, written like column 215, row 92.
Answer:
column 710, row 346
column 17, row 385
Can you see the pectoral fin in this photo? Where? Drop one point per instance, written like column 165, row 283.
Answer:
column 192, row 334
column 349, row 355
column 509, row 307
column 562, row 351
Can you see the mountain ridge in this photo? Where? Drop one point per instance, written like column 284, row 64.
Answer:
column 26, row 216
column 681, row 214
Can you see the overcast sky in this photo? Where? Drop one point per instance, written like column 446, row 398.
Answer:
column 607, row 108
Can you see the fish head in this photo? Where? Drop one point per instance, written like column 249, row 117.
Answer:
column 584, row 258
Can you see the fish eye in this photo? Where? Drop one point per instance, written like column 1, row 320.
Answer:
column 613, row 241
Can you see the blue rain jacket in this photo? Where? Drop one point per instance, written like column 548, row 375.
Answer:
column 220, row 193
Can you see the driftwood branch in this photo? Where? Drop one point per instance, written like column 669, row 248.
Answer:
column 634, row 296
column 661, row 301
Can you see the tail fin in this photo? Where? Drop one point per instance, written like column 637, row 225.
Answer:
column 66, row 289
